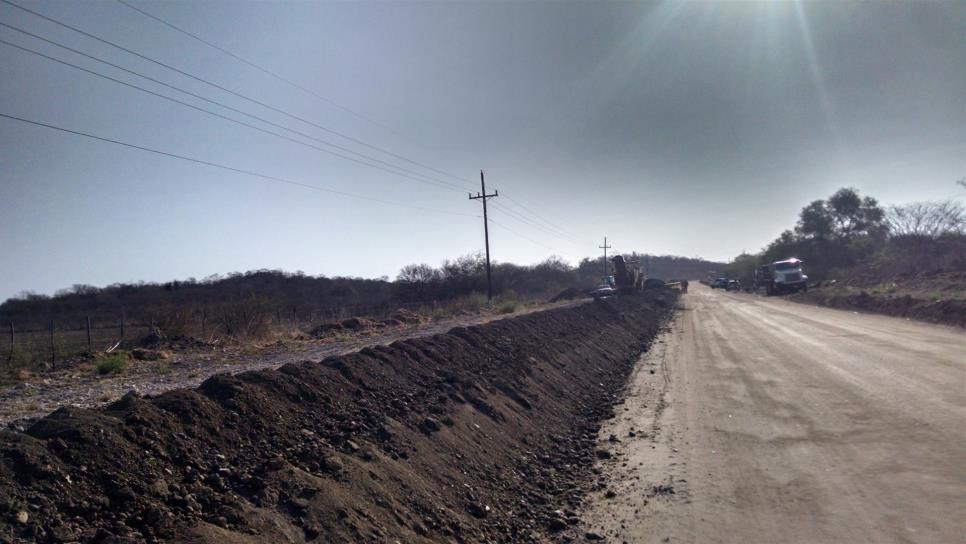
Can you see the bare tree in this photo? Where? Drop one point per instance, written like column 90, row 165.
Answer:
column 932, row 219
column 418, row 274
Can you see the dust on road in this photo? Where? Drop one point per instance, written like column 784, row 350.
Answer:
column 760, row 420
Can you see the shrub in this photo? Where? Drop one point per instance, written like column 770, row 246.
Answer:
column 507, row 308
column 112, row 363
column 21, row 359
column 475, row 302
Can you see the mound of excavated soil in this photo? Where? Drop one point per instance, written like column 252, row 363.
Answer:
column 482, row 434
column 945, row 312
column 569, row 293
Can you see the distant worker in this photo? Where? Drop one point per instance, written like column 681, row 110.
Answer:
column 684, row 286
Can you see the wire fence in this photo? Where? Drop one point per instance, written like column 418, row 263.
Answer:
column 53, row 346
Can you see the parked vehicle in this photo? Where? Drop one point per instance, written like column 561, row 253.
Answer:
column 781, row 277
column 720, row 283
column 733, row 285
column 605, row 289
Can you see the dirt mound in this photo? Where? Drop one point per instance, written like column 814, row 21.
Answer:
column 357, row 324
column 945, row 312
column 653, row 283
column 325, row 328
column 569, row 293
column 480, row 434
column 403, row 315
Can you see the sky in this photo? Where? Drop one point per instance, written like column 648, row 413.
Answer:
column 686, row 128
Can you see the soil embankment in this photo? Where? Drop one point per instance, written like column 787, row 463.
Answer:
column 83, row 386
column 485, row 433
column 934, row 298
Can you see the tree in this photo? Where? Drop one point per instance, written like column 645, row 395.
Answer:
column 845, row 216
column 418, row 274
column 853, row 215
column 742, row 268
column 815, row 221
column 930, row 219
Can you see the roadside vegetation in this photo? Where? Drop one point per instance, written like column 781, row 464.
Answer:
column 111, row 363
column 907, row 260
column 848, row 235
column 245, row 311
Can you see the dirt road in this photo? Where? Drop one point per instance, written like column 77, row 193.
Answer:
column 761, row 420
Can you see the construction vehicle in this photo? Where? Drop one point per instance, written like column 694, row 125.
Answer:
column 628, row 276
column 781, row 277
column 605, row 289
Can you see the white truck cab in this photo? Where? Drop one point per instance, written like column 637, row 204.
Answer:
column 781, row 277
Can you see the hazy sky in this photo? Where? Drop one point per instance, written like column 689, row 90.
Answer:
column 690, row 128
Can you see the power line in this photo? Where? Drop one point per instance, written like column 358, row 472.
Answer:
column 230, row 168
column 220, row 104
column 530, row 222
column 512, row 214
column 522, row 219
column 527, row 238
column 545, row 221
column 280, row 78
column 215, row 114
column 215, row 85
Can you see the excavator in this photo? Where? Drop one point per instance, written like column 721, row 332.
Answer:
column 628, row 279
column 628, row 276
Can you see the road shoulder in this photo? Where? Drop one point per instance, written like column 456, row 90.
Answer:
column 642, row 476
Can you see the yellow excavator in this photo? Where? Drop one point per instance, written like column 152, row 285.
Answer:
column 628, row 276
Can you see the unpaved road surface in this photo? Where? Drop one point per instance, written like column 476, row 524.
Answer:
column 84, row 388
column 758, row 420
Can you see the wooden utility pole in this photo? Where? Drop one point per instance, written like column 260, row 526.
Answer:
column 486, row 232
column 605, row 247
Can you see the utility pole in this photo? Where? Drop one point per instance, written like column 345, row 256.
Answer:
column 605, row 247
column 486, row 232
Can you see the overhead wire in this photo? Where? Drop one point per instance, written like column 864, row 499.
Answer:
column 215, row 85
column 527, row 238
column 404, row 173
column 522, row 219
column 546, row 226
column 282, row 79
column 231, row 168
column 543, row 220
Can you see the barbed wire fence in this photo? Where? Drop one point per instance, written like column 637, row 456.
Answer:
column 53, row 346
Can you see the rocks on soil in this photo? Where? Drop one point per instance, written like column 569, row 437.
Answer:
column 482, row 434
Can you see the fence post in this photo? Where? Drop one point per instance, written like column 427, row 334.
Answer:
column 10, row 356
column 122, row 325
column 53, row 350
column 204, row 323
column 88, row 333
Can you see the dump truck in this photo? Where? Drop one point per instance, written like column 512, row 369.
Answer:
column 781, row 277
